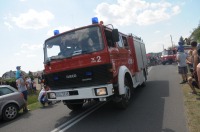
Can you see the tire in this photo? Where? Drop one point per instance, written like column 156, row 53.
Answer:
column 74, row 107
column 125, row 99
column 144, row 79
column 170, row 62
column 10, row 112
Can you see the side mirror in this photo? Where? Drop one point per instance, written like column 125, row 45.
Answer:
column 115, row 35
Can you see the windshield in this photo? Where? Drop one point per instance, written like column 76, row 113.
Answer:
column 73, row 43
column 167, row 52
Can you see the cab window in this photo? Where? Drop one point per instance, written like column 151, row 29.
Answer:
column 109, row 38
column 120, row 42
column 125, row 42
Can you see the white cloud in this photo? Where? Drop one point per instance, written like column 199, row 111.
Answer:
column 176, row 10
column 127, row 12
column 60, row 28
column 31, row 47
column 31, row 55
column 33, row 19
column 29, row 50
column 157, row 31
column 8, row 25
column 157, row 46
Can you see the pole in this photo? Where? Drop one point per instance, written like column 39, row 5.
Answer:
column 171, row 40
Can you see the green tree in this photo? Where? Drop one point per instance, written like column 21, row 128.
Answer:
column 196, row 34
column 30, row 74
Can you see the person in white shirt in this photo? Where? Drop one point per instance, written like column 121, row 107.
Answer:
column 42, row 98
column 182, row 65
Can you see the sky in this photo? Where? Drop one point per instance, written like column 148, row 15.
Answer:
column 26, row 24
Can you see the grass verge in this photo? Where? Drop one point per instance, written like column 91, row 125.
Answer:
column 192, row 105
column 33, row 101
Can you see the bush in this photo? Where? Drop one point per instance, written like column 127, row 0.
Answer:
column 11, row 82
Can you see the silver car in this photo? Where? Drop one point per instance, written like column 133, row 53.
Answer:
column 11, row 101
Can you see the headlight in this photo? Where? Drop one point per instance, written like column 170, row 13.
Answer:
column 100, row 91
column 52, row 95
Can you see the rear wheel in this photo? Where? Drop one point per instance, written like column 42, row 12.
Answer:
column 10, row 112
column 125, row 99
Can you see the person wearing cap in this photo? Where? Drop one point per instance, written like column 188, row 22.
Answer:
column 18, row 72
column 18, row 75
column 21, row 86
column 182, row 65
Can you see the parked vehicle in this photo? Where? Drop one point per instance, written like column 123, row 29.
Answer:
column 94, row 62
column 11, row 101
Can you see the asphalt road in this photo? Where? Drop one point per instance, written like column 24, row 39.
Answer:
column 158, row 107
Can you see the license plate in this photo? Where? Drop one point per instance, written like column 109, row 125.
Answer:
column 62, row 94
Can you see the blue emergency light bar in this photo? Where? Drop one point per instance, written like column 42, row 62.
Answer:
column 95, row 20
column 56, row 32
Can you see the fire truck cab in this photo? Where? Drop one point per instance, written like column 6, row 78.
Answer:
column 94, row 62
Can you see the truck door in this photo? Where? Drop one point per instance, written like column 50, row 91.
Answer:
column 126, row 52
column 113, row 50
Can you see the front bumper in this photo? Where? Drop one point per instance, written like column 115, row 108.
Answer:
column 81, row 93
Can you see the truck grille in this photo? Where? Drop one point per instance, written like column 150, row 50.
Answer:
column 90, row 76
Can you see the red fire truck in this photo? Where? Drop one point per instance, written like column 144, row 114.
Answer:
column 168, row 56
column 93, row 62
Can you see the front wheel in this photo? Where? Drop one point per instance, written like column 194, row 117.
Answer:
column 125, row 99
column 74, row 107
column 144, row 79
column 74, row 104
column 10, row 112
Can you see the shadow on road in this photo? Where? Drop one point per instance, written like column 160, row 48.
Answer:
column 145, row 113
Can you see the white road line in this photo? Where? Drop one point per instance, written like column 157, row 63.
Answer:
column 77, row 118
column 149, row 69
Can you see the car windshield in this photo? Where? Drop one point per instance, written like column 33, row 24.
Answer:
column 167, row 52
column 73, row 43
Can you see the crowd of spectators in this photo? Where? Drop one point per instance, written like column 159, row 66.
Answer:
column 193, row 64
